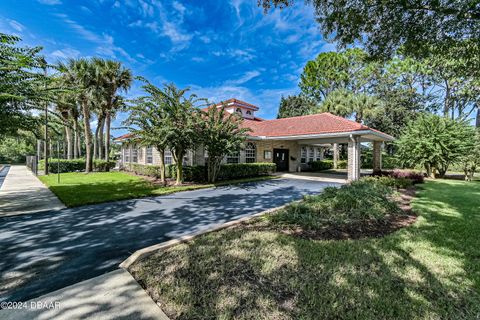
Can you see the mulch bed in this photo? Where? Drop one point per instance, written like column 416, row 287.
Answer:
column 372, row 229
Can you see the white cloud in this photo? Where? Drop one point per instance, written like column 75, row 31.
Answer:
column 50, row 2
column 66, row 53
column 249, row 75
column 198, row 59
column 17, row 26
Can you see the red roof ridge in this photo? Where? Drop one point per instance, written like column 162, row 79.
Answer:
column 361, row 126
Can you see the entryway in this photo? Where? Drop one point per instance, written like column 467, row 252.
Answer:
column 280, row 158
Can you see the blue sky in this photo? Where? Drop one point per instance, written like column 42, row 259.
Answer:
column 221, row 49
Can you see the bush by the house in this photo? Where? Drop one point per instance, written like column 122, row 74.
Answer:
column 245, row 170
column 359, row 202
column 198, row 173
column 74, row 165
column 414, row 176
column 388, row 162
column 190, row 173
column 327, row 164
column 398, row 183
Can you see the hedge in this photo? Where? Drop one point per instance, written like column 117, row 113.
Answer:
column 327, row 164
column 199, row 173
column 414, row 176
column 245, row 170
column 75, row 165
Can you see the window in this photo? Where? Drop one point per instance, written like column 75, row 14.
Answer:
column 168, row 157
column 250, row 153
column 127, row 154
column 239, row 111
column 149, row 154
column 185, row 159
column 311, row 154
column 303, row 155
column 318, row 154
column 233, row 157
column 249, row 112
column 134, row 154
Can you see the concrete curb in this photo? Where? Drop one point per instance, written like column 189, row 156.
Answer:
column 145, row 252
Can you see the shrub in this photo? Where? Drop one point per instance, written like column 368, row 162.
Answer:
column 415, row 176
column 321, row 165
column 199, row 173
column 74, row 165
column 361, row 201
column 398, row 183
column 190, row 173
column 245, row 170
column 327, row 164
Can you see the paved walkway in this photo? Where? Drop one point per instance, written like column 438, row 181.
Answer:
column 23, row 193
column 43, row 252
column 115, row 295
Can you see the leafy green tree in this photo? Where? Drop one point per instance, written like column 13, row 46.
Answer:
column 435, row 143
column 347, row 104
column 222, row 133
column 181, row 126
column 22, row 84
column 14, row 149
column 330, row 71
column 293, row 106
column 422, row 28
column 148, row 121
column 471, row 160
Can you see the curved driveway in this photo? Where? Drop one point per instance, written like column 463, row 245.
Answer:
column 43, row 252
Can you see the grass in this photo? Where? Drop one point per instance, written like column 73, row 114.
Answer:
column 429, row 270
column 76, row 189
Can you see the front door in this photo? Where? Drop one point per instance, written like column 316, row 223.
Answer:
column 280, row 157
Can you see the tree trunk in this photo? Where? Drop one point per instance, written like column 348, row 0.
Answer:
column 96, row 145
column 68, row 135
column 75, row 138
column 178, row 157
column 101, row 149
column 88, row 137
column 477, row 121
column 108, row 118
column 162, row 165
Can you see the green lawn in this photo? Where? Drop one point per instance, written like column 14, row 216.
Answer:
column 76, row 188
column 429, row 270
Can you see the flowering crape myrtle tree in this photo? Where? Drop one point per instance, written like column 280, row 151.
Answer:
column 221, row 134
column 148, row 121
column 435, row 143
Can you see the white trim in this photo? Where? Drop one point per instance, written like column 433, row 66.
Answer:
column 345, row 134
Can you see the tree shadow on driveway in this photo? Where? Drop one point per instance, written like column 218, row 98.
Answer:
column 47, row 251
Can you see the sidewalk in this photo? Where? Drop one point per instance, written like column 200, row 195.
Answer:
column 22, row 193
column 114, row 295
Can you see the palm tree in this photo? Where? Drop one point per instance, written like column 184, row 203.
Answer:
column 113, row 77
column 80, row 74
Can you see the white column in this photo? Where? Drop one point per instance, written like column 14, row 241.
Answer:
column 353, row 158
column 377, row 156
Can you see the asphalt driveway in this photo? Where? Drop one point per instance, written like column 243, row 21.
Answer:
column 43, row 252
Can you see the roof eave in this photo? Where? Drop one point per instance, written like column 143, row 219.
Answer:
column 382, row 136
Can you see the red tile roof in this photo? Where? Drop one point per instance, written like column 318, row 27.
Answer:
column 124, row 136
column 303, row 125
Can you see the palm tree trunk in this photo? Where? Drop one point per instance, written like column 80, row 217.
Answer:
column 100, row 139
column 477, row 121
column 96, row 145
column 68, row 135
column 76, row 137
column 88, row 137
column 107, row 135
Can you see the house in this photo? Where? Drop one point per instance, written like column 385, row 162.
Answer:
column 291, row 143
